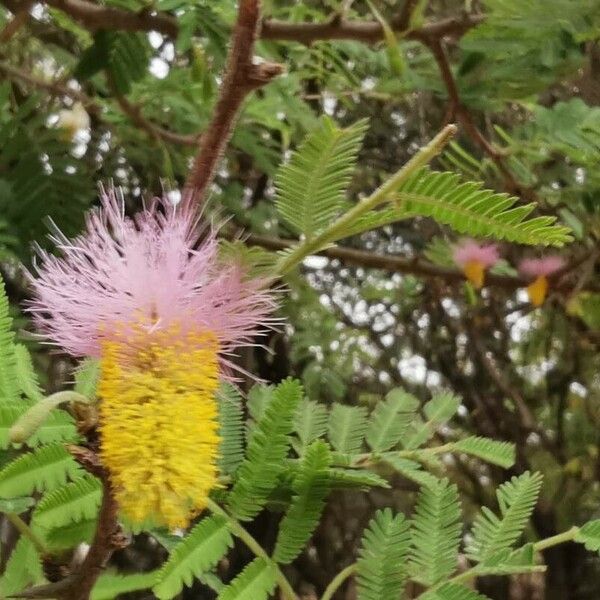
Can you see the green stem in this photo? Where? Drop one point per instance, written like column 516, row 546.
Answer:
column 561, row 538
column 382, row 194
column 236, row 528
column 25, row 530
column 337, row 581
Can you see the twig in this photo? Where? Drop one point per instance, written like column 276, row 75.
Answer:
column 337, row 581
column 20, row 18
column 241, row 77
column 25, row 530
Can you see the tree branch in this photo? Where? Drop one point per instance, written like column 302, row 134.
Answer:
column 241, row 77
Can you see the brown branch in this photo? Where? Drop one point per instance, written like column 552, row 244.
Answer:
column 394, row 264
column 19, row 19
column 241, row 77
column 97, row 16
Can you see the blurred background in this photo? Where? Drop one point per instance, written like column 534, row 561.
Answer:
column 119, row 91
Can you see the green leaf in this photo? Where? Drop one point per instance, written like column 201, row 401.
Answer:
column 347, row 427
column 23, row 568
column 70, row 535
column 453, row 591
column 194, row 556
column 255, row 582
column 380, row 569
column 390, row 420
column 355, row 478
column 16, row 505
column 9, row 385
column 311, row 487
column 310, row 423
column 435, row 533
column 493, row 534
column 491, row 451
column 469, row 209
column 410, row 469
column 72, row 502
column 128, row 56
column 311, row 187
column 111, row 585
column 441, row 408
column 589, row 535
column 267, row 449
column 26, row 376
column 87, row 375
column 43, row 469
column 231, row 429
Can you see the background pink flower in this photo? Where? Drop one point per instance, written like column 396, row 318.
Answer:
column 536, row 267
column 151, row 272
column 470, row 251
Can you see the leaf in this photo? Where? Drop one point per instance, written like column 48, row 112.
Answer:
column 70, row 535
column 589, row 535
column 390, row 420
column 469, row 209
column 435, row 533
column 453, row 591
column 311, row 487
column 255, row 582
column 194, row 556
column 438, row 410
column 16, row 505
column 267, row 449
column 71, row 502
column 23, row 568
column 111, row 585
column 493, row 534
column 347, row 427
column 380, row 569
column 26, row 376
column 128, row 56
column 9, row 385
column 231, row 429
column 410, row 469
column 491, row 451
column 311, row 187
column 310, row 423
column 355, row 478
column 43, row 469
column 87, row 375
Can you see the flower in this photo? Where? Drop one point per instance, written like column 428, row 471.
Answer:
column 163, row 313
column 539, row 269
column 72, row 120
column 474, row 259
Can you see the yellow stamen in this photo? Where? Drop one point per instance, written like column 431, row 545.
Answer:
column 159, row 427
column 537, row 290
column 475, row 272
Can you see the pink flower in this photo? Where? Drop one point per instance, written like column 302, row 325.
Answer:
column 538, row 267
column 469, row 251
column 149, row 274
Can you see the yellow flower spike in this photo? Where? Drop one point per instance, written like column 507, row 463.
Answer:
column 474, row 271
column 159, row 428
column 538, row 290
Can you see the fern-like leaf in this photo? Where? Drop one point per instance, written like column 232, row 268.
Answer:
column 355, row 478
column 311, row 187
column 491, row 451
column 70, row 535
column 380, row 569
column 469, row 209
column 438, row 410
column 43, row 469
column 390, row 420
column 311, row 487
column 267, row 449
column 26, row 376
column 87, row 375
column 23, row 568
column 310, row 423
column 71, row 502
column 409, row 469
column 589, row 535
column 195, row 555
column 9, row 385
column 493, row 534
column 435, row 533
column 255, row 582
column 453, row 591
column 231, row 424
column 111, row 585
column 347, row 427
